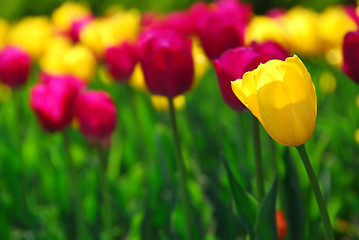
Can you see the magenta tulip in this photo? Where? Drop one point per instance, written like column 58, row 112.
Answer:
column 52, row 100
column 96, row 114
column 351, row 55
column 166, row 61
column 15, row 66
column 235, row 62
column 120, row 61
column 78, row 25
column 221, row 27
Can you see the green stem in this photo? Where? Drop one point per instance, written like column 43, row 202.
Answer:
column 104, row 193
column 75, row 206
column 318, row 194
column 258, row 159
column 182, row 170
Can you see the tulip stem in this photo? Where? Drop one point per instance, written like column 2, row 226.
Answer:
column 75, row 207
column 182, row 171
column 258, row 159
column 104, row 193
column 317, row 192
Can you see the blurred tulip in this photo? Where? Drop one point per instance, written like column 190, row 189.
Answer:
column 282, row 96
column 166, row 61
column 351, row 10
column 67, row 13
column 334, row 56
column 161, row 103
column 4, row 29
column 137, row 79
column 52, row 100
column 15, row 66
column 263, row 28
column 235, row 62
column 96, row 114
column 327, row 82
column 61, row 57
column 281, row 225
column 32, row 34
column 78, row 25
column 222, row 27
column 104, row 32
column 120, row 61
column 351, row 55
column 200, row 61
column 301, row 29
column 333, row 24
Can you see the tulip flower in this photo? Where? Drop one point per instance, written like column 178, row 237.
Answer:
column 351, row 55
column 281, row 225
column 221, row 28
column 96, row 114
column 166, row 61
column 67, row 13
column 120, row 61
column 282, row 96
column 235, row 62
column 52, row 100
column 15, row 66
column 4, row 29
column 137, row 80
column 78, row 25
column 32, row 34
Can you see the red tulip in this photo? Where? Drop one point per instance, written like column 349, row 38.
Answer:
column 281, row 225
column 221, row 27
column 166, row 61
column 235, row 62
column 15, row 66
column 96, row 114
column 351, row 55
column 52, row 100
column 120, row 61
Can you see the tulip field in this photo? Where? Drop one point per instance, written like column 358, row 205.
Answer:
column 192, row 120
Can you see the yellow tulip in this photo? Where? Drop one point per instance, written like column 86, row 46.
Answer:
column 161, row 102
column 109, row 31
column 333, row 24
column 262, row 28
column 137, row 79
column 200, row 61
column 282, row 97
column 67, row 13
column 32, row 34
column 301, row 26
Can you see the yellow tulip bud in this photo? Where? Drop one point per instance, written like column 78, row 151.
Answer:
column 32, row 34
column 67, row 13
column 137, row 79
column 327, row 82
column 282, row 96
column 161, row 102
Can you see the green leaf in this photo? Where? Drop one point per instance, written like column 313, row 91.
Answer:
column 266, row 227
column 292, row 200
column 246, row 205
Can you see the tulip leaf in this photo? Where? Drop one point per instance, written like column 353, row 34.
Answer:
column 246, row 205
column 266, row 227
column 293, row 203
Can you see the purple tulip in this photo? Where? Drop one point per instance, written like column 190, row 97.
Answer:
column 351, row 55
